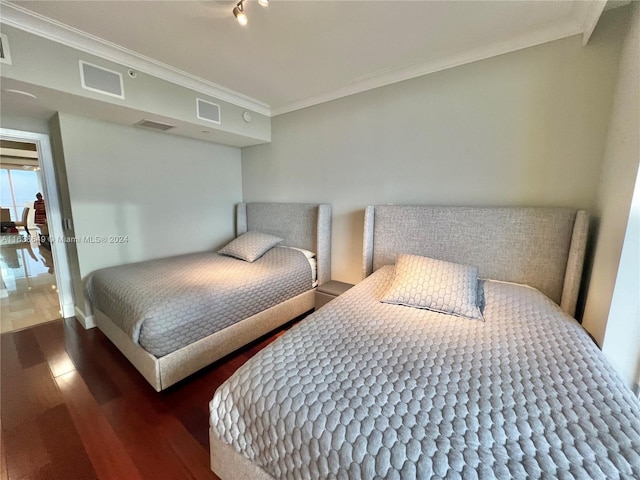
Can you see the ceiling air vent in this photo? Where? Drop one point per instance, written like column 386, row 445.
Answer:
column 101, row 80
column 5, row 54
column 154, row 125
column 207, row 111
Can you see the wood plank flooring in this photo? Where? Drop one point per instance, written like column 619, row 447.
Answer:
column 73, row 407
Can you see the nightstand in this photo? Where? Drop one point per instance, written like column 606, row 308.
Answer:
column 330, row 290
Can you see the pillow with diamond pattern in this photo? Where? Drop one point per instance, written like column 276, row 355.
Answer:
column 250, row 246
column 436, row 285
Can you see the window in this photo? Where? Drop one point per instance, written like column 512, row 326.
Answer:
column 18, row 189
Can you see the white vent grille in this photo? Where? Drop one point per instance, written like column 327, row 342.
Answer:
column 5, row 53
column 207, row 111
column 154, row 125
column 101, row 80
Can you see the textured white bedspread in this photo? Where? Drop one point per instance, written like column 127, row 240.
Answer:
column 363, row 389
column 169, row 303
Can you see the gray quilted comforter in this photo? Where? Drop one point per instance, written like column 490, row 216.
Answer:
column 365, row 390
column 166, row 304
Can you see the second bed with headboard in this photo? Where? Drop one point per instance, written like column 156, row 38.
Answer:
column 173, row 316
column 456, row 357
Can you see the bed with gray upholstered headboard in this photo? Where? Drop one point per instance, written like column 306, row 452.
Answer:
column 171, row 317
column 459, row 361
column 300, row 225
column 540, row 247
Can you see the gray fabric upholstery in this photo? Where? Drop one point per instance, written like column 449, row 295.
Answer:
column 445, row 287
column 144, row 362
column 323, row 241
column 575, row 262
column 296, row 224
column 367, row 390
column 230, row 465
column 367, row 242
column 523, row 245
column 163, row 372
column 300, row 225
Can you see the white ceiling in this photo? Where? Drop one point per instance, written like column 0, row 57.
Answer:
column 298, row 53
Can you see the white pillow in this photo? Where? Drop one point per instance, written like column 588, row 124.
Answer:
column 250, row 246
column 311, row 258
column 307, row 253
column 444, row 287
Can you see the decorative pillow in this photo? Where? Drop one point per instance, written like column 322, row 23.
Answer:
column 444, row 287
column 250, row 246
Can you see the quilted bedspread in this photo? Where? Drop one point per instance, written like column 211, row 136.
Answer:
column 364, row 390
column 168, row 303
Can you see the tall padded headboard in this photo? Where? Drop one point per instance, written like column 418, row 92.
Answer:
column 302, row 225
column 540, row 247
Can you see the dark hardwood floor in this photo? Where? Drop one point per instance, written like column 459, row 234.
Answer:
column 73, row 407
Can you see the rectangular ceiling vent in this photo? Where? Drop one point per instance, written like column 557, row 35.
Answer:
column 101, row 80
column 5, row 54
column 207, row 111
column 154, row 125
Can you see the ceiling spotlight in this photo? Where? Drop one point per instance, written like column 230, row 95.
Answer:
column 238, row 11
column 264, row 3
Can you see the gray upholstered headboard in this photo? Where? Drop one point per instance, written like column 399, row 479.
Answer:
column 302, row 225
column 540, row 247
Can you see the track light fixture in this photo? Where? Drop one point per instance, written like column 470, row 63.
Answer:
column 238, row 10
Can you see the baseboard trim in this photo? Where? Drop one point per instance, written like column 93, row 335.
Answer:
column 87, row 321
column 68, row 310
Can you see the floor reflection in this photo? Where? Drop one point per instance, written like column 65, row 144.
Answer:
column 29, row 292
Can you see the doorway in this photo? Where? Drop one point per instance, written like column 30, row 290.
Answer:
column 35, row 273
column 27, row 282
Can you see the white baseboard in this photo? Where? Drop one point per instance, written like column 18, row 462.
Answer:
column 86, row 321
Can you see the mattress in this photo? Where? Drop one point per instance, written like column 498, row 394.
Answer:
column 363, row 389
column 166, row 304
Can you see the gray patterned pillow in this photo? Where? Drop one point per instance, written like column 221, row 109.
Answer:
column 436, row 285
column 250, row 246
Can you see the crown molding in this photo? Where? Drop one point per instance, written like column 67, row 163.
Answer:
column 593, row 11
column 443, row 62
column 581, row 22
column 31, row 22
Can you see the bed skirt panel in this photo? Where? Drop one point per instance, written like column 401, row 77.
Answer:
column 163, row 372
column 144, row 362
column 227, row 463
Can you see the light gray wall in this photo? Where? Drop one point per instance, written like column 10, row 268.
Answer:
column 612, row 312
column 26, row 124
column 527, row 128
column 622, row 338
column 167, row 195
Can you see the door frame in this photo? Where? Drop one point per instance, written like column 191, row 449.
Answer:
column 54, row 214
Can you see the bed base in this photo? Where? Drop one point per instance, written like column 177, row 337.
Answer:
column 163, row 372
column 227, row 463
